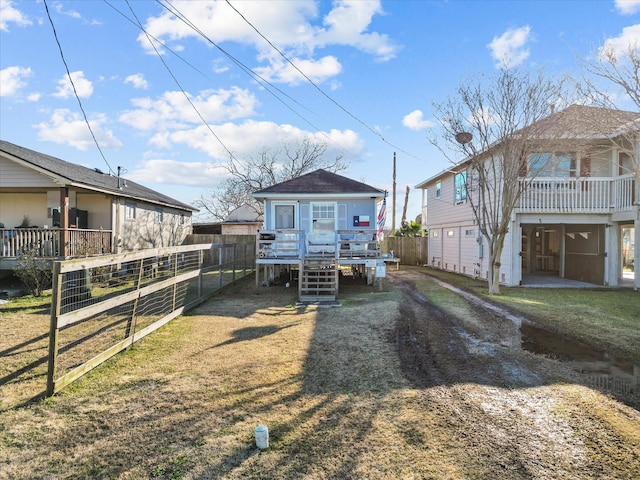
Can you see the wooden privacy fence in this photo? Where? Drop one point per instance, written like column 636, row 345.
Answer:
column 410, row 250
column 102, row 305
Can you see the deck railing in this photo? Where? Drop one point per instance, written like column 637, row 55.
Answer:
column 289, row 244
column 579, row 195
column 51, row 242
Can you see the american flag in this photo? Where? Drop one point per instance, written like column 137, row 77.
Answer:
column 382, row 217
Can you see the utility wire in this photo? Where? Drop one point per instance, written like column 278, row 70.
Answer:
column 73, row 86
column 317, row 87
column 268, row 86
column 178, row 83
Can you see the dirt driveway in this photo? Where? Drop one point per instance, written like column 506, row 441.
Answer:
column 522, row 413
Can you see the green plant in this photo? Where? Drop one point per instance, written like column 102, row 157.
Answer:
column 34, row 271
column 26, row 222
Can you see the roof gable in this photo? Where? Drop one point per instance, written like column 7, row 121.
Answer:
column 580, row 121
column 319, row 182
column 91, row 179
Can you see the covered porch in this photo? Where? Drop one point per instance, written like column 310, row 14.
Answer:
column 52, row 243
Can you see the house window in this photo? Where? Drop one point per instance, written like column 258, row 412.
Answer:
column 450, row 233
column 323, row 217
column 469, row 233
column 558, row 164
column 460, row 183
column 438, row 189
column 435, row 234
column 625, row 164
column 159, row 215
column 284, row 216
column 129, row 211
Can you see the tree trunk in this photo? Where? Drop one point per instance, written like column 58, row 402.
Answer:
column 496, row 245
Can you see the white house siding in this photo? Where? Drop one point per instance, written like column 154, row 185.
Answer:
column 15, row 206
column 346, row 210
column 13, row 175
column 453, row 237
column 98, row 206
column 435, row 247
column 146, row 231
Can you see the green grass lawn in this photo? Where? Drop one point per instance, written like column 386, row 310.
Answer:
column 606, row 318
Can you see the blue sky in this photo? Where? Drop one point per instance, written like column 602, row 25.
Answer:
column 376, row 67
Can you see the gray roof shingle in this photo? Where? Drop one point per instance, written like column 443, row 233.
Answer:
column 91, row 179
column 320, row 182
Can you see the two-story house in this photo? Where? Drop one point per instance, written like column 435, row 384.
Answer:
column 578, row 216
column 63, row 210
column 313, row 225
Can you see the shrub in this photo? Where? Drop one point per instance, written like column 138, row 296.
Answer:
column 34, row 272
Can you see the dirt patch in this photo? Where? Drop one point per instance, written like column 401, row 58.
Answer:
column 514, row 410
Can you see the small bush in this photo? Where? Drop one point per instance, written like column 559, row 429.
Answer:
column 34, row 272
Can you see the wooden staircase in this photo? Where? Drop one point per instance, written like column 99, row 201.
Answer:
column 318, row 280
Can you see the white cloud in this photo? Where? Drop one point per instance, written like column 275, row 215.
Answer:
column 630, row 37
column 242, row 140
column 415, row 121
column 294, row 27
column 172, row 110
column 168, row 171
column 348, row 22
column 83, row 87
column 13, row 79
column 137, row 80
column 628, row 7
column 251, row 136
column 317, row 70
column 510, row 49
column 9, row 14
column 69, row 128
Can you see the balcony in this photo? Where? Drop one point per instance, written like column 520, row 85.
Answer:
column 54, row 242
column 579, row 195
column 289, row 246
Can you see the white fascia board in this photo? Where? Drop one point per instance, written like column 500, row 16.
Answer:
column 315, row 196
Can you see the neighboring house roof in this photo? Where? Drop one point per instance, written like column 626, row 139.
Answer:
column 576, row 122
column 582, row 122
column 244, row 214
column 71, row 174
column 319, row 182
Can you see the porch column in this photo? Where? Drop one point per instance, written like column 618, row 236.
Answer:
column 64, row 222
column 531, row 247
column 613, row 260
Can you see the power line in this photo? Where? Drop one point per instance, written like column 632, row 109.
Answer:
column 73, row 86
column 180, row 86
column 317, row 87
column 268, row 86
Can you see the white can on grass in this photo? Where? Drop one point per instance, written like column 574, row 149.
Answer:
column 261, row 432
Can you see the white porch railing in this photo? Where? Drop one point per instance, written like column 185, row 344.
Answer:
column 297, row 244
column 50, row 242
column 579, row 195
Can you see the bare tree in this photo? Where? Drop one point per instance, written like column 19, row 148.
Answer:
column 267, row 167
column 491, row 122
column 618, row 68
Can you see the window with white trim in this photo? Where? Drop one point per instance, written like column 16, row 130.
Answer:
column 285, row 216
column 129, row 211
column 323, row 217
column 460, row 186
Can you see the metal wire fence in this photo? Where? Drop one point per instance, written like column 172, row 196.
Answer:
column 102, row 305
